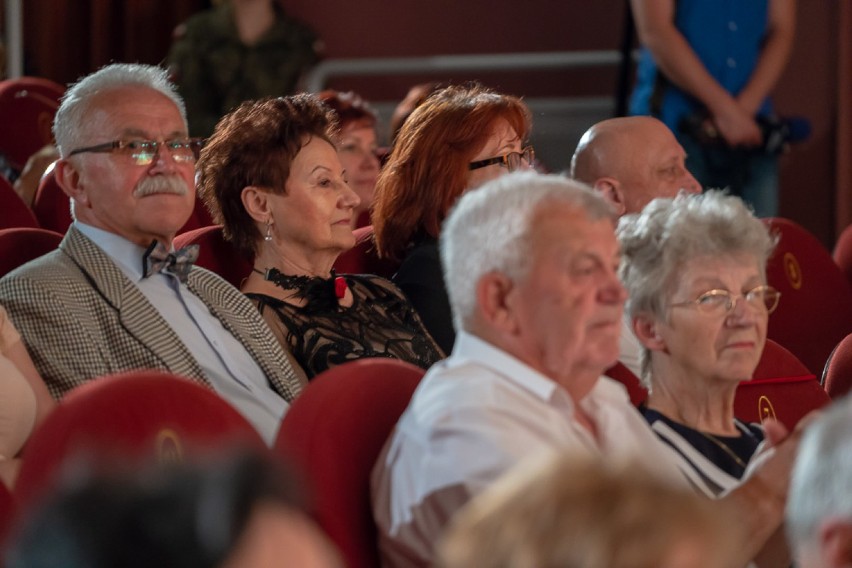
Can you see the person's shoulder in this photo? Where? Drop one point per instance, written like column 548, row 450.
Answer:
column 52, row 267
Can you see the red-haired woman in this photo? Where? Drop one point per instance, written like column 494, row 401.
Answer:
column 458, row 138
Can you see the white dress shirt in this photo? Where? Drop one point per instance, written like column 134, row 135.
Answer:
column 229, row 367
column 476, row 415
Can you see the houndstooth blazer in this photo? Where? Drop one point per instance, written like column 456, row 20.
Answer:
column 81, row 318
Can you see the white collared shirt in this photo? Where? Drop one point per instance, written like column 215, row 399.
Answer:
column 225, row 361
column 473, row 417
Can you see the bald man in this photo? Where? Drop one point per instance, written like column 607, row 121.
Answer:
column 632, row 160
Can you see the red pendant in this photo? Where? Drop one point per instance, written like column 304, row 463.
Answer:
column 340, row 287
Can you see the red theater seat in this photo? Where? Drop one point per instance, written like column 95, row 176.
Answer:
column 21, row 245
column 363, row 258
column 843, row 253
column 815, row 311
column 128, row 419
column 13, row 211
column 837, row 376
column 27, row 108
column 637, row 391
column 782, row 388
column 52, row 207
column 216, row 254
column 334, row 432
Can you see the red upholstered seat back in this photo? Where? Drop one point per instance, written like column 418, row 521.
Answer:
column 21, row 245
column 843, row 253
column 52, row 207
column 139, row 417
column 777, row 361
column 637, row 391
column 27, row 108
column 13, row 211
column 199, row 218
column 782, row 388
column 363, row 258
column 815, row 311
column 334, row 432
column 216, row 254
column 837, row 376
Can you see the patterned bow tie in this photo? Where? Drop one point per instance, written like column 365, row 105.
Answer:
column 158, row 259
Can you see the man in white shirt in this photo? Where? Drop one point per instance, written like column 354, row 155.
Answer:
column 530, row 263
column 112, row 298
column 819, row 510
column 631, row 161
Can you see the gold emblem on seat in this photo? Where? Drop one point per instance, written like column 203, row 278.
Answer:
column 765, row 409
column 168, row 446
column 792, row 270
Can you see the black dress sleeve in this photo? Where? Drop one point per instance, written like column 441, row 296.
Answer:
column 421, row 279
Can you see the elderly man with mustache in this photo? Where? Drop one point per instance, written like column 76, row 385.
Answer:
column 115, row 296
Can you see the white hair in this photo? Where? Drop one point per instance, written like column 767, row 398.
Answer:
column 68, row 123
column 489, row 229
column 821, row 482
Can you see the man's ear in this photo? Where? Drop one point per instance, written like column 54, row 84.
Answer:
column 835, row 540
column 256, row 202
column 493, row 293
column 610, row 189
column 69, row 179
column 645, row 329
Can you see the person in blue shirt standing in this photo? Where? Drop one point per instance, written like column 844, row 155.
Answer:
column 706, row 70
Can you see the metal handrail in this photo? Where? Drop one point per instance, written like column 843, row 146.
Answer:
column 318, row 77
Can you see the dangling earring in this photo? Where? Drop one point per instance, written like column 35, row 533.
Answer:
column 268, row 236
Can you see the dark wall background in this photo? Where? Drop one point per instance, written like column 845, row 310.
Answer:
column 68, row 38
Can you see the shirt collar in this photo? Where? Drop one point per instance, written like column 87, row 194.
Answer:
column 125, row 254
column 469, row 347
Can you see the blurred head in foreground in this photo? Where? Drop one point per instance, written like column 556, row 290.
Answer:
column 561, row 512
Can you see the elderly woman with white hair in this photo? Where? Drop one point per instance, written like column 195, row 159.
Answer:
column 694, row 268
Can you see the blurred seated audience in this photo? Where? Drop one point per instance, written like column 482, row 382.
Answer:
column 24, row 398
column 561, row 512
column 239, row 512
column 531, row 267
column 695, row 272
column 115, row 296
column 272, row 177
column 26, row 182
column 357, row 147
column 239, row 50
column 819, row 509
column 413, row 99
column 630, row 161
column 457, row 139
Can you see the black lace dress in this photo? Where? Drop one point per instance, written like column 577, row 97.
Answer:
column 379, row 323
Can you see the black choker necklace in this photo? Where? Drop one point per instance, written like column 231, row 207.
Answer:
column 318, row 293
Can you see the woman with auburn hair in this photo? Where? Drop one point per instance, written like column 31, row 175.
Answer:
column 272, row 176
column 357, row 147
column 457, row 139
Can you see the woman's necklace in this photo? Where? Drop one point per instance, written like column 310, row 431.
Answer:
column 319, row 293
column 724, row 447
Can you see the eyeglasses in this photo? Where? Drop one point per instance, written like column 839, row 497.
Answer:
column 512, row 160
column 718, row 302
column 144, row 152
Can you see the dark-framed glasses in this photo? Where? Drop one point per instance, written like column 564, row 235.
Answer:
column 144, row 152
column 512, row 160
column 719, row 302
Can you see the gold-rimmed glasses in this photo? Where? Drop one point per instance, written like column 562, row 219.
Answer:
column 723, row 302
